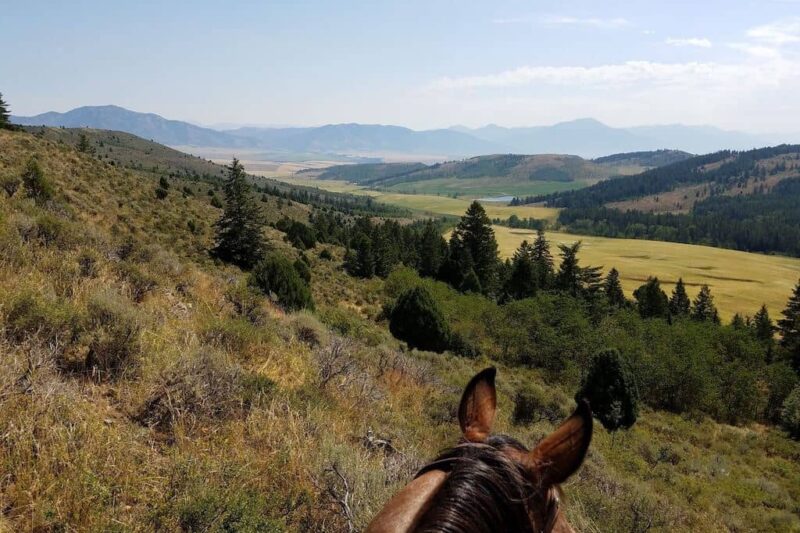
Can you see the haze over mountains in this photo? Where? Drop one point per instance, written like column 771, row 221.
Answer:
column 584, row 137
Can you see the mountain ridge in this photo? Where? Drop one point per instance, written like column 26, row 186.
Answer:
column 584, row 137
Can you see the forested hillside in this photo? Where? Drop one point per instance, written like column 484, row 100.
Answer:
column 743, row 200
column 194, row 354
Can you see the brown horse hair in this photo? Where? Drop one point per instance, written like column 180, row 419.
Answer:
column 485, row 490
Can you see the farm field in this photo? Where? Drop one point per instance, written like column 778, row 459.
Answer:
column 739, row 281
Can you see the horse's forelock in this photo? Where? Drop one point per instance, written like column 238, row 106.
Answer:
column 485, row 490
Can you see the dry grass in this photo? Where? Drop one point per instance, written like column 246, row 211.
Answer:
column 222, row 420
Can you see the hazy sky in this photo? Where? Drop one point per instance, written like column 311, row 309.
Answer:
column 419, row 63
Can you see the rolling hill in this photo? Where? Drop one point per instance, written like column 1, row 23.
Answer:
column 743, row 200
column 500, row 174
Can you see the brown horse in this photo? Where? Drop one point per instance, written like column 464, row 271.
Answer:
column 490, row 482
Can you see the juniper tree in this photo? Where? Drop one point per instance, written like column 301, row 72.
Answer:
column 610, row 388
column 4, row 114
column 703, row 308
column 276, row 276
column 476, row 234
column 613, row 289
column 651, row 301
column 417, row 319
column 36, row 184
column 789, row 327
column 679, row 303
column 240, row 229
column 83, row 144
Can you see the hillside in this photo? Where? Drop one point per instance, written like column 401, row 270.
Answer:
column 651, row 159
column 129, row 151
column 742, row 200
column 495, row 175
column 145, row 386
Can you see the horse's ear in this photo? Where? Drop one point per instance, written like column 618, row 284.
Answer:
column 560, row 454
column 478, row 406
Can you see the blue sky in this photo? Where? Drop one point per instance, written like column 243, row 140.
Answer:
column 419, row 63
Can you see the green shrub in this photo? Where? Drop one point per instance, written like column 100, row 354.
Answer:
column 114, row 340
column 611, row 391
column 303, row 270
column 55, row 231
column 36, row 184
column 326, row 255
column 417, row 319
column 161, row 193
column 790, row 417
column 276, row 276
column 527, row 402
column 27, row 315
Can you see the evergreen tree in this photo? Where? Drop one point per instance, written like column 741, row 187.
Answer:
column 4, row 114
column 790, row 417
column 613, row 289
column 36, row 184
column 361, row 260
column 568, row 278
column 651, row 301
column 789, row 327
column 611, row 391
column 542, row 259
column 477, row 236
column 738, row 323
column 276, row 276
column 703, row 308
column 432, row 250
column 417, row 319
column 764, row 330
column 522, row 280
column 84, row 146
column 679, row 303
column 240, row 237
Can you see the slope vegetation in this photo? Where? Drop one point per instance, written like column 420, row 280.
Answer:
column 145, row 387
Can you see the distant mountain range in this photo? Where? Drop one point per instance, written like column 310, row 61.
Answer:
column 583, row 137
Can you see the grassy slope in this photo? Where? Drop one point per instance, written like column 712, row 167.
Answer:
column 739, row 281
column 253, row 433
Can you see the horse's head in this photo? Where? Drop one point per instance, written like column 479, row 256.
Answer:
column 490, row 482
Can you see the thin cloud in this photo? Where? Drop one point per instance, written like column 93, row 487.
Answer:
column 629, row 73
column 700, row 42
column 756, row 50
column 777, row 33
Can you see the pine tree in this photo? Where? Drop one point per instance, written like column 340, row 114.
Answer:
column 83, row 144
column 240, row 237
column 4, row 114
column 477, row 236
column 651, row 301
column 568, row 278
column 763, row 326
column 703, row 308
column 613, row 289
column 679, row 303
column 522, row 280
column 542, row 259
column 432, row 250
column 789, row 327
column 611, row 391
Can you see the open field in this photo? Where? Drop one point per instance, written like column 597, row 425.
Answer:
column 427, row 203
column 739, row 281
column 488, row 186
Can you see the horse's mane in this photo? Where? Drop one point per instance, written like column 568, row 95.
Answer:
column 485, row 491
